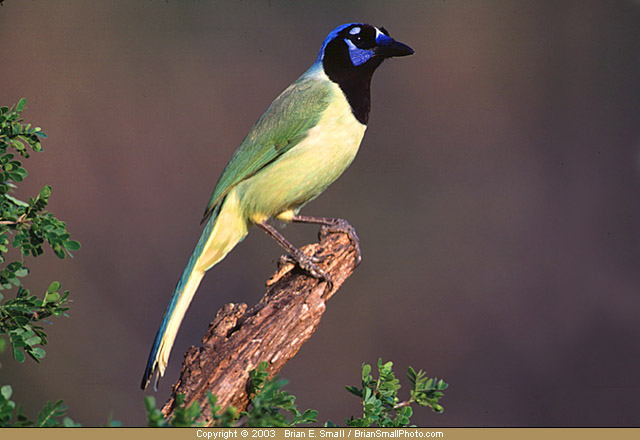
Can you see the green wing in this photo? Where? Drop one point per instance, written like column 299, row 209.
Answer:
column 285, row 123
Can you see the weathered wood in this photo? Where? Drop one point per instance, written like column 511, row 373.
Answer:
column 273, row 330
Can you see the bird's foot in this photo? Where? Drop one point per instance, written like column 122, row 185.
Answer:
column 342, row 226
column 308, row 264
column 288, row 259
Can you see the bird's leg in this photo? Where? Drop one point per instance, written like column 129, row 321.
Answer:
column 332, row 225
column 305, row 262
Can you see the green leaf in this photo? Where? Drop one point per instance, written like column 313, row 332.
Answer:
column 366, row 371
column 45, row 192
column 67, row 422
column 149, row 403
column 6, row 391
column 354, row 390
column 18, row 354
column 51, row 298
column 39, row 353
column 53, row 287
column 22, row 272
column 21, row 104
column 18, row 174
column 33, row 340
column 72, row 245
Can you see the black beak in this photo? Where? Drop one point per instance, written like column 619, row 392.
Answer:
column 387, row 47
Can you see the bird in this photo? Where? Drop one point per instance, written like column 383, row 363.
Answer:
column 302, row 143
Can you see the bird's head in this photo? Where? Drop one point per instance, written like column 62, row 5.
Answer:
column 358, row 47
column 349, row 56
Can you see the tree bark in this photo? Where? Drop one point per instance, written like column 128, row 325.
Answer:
column 273, row 330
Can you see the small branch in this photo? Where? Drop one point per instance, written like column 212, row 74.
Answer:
column 17, row 222
column 402, row 404
column 273, row 330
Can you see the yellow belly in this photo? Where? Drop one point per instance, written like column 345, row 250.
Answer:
column 305, row 171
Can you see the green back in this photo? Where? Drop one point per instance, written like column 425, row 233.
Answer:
column 283, row 125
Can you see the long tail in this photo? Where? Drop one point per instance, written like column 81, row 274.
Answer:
column 223, row 231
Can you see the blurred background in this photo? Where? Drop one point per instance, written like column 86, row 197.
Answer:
column 496, row 194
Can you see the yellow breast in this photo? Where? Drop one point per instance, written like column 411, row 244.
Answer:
column 305, row 171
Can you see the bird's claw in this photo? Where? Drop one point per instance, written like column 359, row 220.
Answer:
column 308, row 264
column 289, row 259
column 343, row 226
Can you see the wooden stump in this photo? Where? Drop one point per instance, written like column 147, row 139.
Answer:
column 273, row 330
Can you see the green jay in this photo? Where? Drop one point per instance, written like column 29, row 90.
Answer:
column 302, row 143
